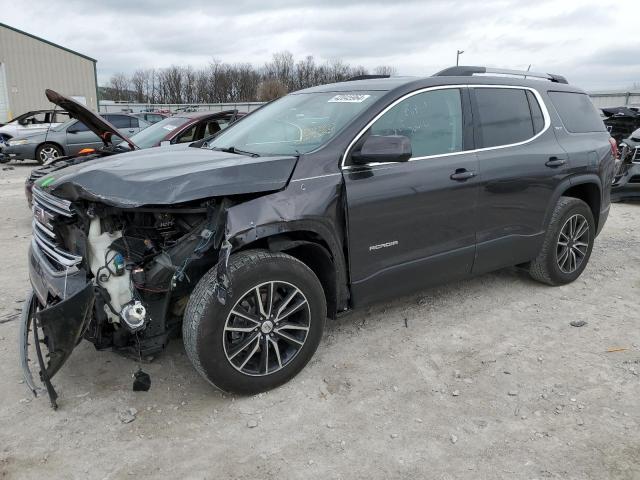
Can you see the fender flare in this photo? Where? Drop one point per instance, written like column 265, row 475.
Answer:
column 565, row 185
column 284, row 237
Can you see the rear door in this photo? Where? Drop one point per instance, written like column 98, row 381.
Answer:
column 521, row 164
column 411, row 224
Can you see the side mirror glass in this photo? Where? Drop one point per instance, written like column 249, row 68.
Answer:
column 383, row 148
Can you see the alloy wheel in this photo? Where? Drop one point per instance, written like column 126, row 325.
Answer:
column 573, row 243
column 48, row 153
column 266, row 328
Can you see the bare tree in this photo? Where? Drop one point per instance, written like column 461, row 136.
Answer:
column 385, row 70
column 271, row 89
column 239, row 82
column 137, row 83
column 119, row 83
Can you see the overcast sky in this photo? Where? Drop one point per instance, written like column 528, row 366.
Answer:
column 594, row 43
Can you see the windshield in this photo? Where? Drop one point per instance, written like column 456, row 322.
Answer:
column 154, row 134
column 294, row 124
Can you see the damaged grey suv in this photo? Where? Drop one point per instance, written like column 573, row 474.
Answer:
column 318, row 203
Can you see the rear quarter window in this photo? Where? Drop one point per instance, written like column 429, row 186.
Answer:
column 577, row 112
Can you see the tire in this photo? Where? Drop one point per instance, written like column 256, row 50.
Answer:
column 552, row 265
column 210, row 334
column 48, row 151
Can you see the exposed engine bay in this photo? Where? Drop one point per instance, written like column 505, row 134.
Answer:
column 144, row 263
column 130, row 270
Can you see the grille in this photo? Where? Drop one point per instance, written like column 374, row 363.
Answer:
column 37, row 173
column 48, row 209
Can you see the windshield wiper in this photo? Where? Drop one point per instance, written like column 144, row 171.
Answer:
column 235, row 150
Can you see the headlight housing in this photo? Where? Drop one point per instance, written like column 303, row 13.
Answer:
column 21, row 141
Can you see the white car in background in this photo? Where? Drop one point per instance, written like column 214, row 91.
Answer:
column 32, row 122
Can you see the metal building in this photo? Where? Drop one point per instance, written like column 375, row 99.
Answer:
column 29, row 65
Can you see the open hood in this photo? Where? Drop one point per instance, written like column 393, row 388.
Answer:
column 167, row 176
column 94, row 122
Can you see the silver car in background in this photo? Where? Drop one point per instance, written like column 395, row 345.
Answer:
column 66, row 139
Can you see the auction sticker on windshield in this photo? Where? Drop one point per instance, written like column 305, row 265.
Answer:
column 349, row 98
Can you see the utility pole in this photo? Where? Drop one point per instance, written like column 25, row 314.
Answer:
column 458, row 53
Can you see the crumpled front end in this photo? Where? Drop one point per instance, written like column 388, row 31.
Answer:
column 119, row 278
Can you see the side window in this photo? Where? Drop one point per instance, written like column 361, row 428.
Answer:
column 432, row 120
column 503, row 116
column 119, row 121
column 577, row 112
column 61, row 117
column 134, row 122
column 78, row 127
column 187, row 136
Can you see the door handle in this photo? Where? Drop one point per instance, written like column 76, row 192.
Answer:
column 462, row 174
column 555, row 162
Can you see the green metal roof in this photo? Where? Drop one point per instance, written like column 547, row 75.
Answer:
column 48, row 42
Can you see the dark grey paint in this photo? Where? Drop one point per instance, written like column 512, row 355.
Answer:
column 170, row 176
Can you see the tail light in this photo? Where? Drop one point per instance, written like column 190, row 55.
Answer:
column 614, row 147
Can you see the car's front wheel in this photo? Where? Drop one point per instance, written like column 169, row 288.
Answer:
column 48, row 151
column 268, row 329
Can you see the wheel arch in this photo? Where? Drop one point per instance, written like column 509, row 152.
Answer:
column 587, row 188
column 311, row 248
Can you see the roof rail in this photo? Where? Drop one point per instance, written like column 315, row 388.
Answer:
column 366, row 77
column 469, row 71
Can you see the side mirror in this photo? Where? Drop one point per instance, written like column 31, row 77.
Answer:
column 383, row 148
column 73, row 129
column 165, row 143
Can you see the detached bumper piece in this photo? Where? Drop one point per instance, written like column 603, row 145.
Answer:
column 59, row 328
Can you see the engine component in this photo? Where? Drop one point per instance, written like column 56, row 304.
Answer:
column 118, row 263
column 102, row 263
column 134, row 315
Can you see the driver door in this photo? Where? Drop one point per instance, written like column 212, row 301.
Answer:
column 413, row 224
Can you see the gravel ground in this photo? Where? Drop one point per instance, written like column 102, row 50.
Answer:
column 480, row 379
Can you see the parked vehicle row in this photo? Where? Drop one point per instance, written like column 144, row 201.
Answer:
column 180, row 129
column 67, row 139
column 318, row 203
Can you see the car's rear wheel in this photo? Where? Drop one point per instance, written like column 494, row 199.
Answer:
column 265, row 333
column 48, row 151
column 567, row 244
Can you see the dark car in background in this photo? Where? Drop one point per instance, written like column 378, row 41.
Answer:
column 323, row 201
column 67, row 139
column 626, row 185
column 621, row 121
column 185, row 128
